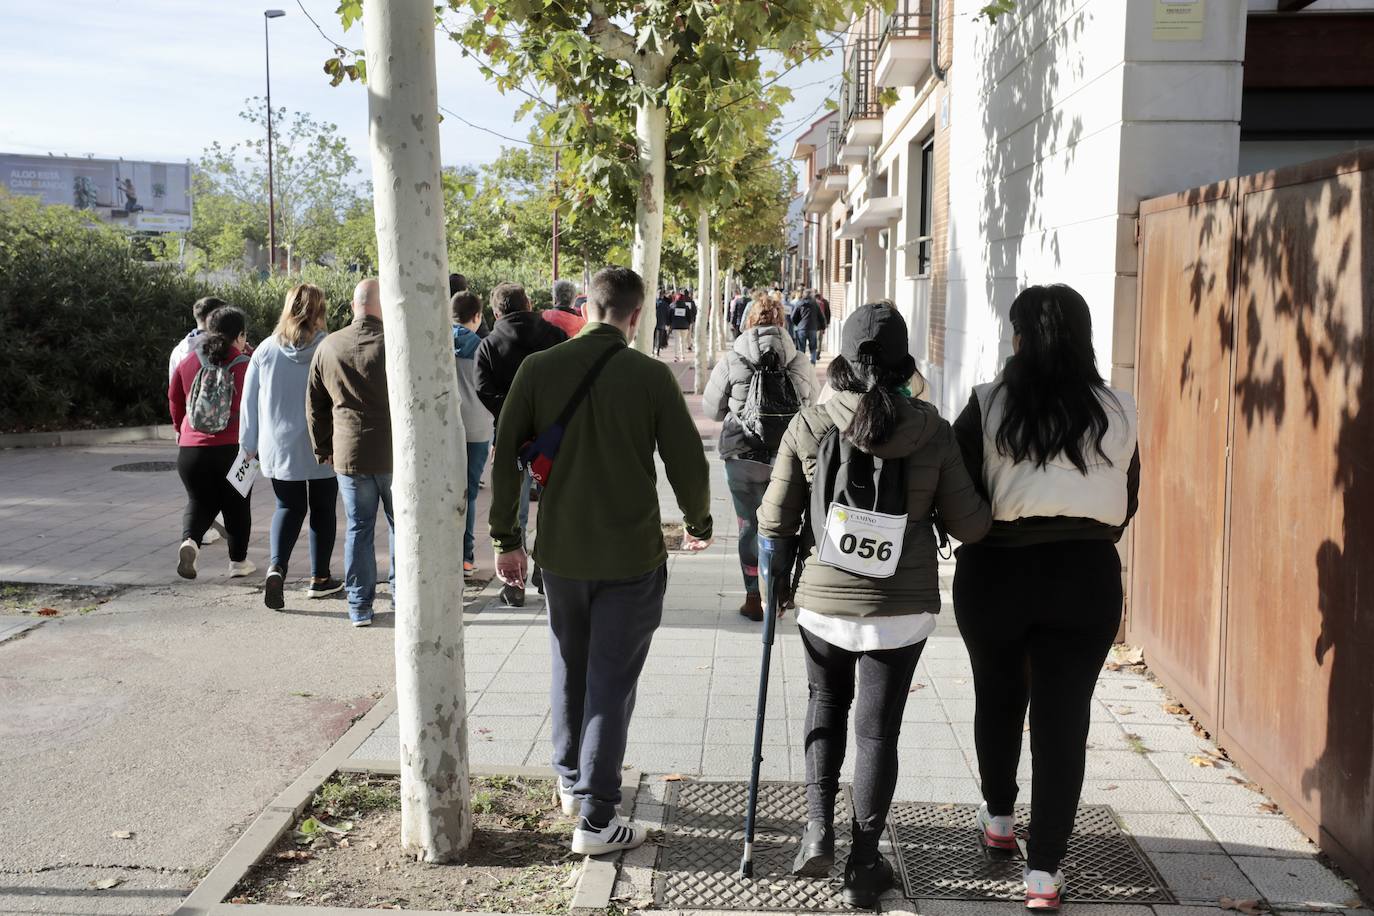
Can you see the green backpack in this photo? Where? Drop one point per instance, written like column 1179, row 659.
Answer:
column 210, row 403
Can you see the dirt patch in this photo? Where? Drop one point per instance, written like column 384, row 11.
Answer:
column 345, row 851
column 53, row 600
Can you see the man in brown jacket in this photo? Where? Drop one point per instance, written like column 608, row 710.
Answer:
column 350, row 428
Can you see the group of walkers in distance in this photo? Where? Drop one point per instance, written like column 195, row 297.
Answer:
column 844, row 495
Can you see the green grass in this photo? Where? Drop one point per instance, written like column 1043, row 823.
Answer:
column 350, row 793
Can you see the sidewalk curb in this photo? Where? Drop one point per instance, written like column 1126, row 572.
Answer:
column 122, row 435
column 594, row 887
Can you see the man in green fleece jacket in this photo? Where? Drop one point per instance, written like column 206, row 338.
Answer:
column 600, row 539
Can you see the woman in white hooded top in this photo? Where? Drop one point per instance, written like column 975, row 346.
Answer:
column 748, row 459
column 273, row 427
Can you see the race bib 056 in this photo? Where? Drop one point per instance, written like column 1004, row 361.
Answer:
column 863, row 542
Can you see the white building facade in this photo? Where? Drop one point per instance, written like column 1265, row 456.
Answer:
column 970, row 159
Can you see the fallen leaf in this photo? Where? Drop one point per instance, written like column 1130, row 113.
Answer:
column 294, row 854
column 1110, row 788
column 293, row 895
column 1270, row 808
column 49, row 612
column 916, row 687
column 121, row 834
column 703, row 667
column 1248, row 907
column 673, row 777
column 344, row 842
column 105, row 884
column 1174, row 709
column 238, row 899
column 1200, row 760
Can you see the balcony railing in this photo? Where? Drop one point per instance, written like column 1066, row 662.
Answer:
column 859, row 98
column 833, row 141
column 910, row 18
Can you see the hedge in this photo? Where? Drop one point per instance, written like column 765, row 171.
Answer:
column 85, row 330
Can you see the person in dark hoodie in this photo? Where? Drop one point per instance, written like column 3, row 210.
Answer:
column 865, row 609
column 663, row 321
column 477, row 420
column 518, row 333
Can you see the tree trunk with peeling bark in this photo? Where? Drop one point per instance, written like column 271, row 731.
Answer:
column 427, row 430
column 703, row 295
column 718, row 324
column 651, row 136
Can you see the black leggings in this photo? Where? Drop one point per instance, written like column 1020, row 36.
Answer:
column 204, row 471
column 1038, row 622
column 884, row 681
column 294, row 498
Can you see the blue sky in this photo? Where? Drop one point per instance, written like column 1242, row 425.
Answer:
column 161, row 79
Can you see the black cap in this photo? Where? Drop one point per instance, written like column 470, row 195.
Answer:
column 876, row 335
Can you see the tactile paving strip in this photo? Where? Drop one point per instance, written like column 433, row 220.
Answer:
column 940, row 856
column 704, row 839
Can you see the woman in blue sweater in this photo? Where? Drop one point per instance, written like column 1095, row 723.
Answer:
column 273, row 427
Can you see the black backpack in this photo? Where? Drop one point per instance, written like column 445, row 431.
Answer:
column 770, row 405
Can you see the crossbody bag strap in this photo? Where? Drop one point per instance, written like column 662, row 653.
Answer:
column 585, row 387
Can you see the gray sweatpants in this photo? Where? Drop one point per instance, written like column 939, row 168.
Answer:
column 600, row 632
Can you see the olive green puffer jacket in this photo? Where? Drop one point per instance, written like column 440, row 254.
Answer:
column 936, row 479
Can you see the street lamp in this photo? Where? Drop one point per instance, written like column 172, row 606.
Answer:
column 267, row 16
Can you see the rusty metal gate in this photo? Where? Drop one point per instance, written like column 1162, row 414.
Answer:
column 1252, row 578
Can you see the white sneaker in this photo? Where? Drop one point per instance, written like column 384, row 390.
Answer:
column 565, row 798
column 240, row 568
column 615, row 836
column 1044, row 891
column 186, row 559
column 211, row 537
column 998, row 832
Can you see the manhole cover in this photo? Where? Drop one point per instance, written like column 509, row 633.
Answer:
column 144, row 467
column 940, row 856
column 704, row 838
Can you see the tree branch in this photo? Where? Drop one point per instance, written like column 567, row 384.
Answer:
column 615, row 41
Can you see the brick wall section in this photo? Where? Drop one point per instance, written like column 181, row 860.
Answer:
column 939, row 222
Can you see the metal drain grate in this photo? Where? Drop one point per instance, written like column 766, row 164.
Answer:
column 704, row 838
column 143, row 467
column 940, row 856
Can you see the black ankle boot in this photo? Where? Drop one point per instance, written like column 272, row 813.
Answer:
column 817, row 852
column 867, row 880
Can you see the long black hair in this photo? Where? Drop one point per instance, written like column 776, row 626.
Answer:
column 1053, row 392
column 875, row 418
column 222, row 330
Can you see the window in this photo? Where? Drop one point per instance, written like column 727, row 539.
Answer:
column 920, row 206
column 848, row 261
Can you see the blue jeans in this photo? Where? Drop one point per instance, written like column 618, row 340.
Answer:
column 748, row 481
column 809, row 339
column 361, row 493
column 294, row 498
column 477, row 460
column 525, row 484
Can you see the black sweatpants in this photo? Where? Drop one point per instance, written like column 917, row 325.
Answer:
column 599, row 633
column 1038, row 622
column 204, row 471
column 884, row 680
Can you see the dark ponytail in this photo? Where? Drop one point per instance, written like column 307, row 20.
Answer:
column 875, row 419
column 225, row 326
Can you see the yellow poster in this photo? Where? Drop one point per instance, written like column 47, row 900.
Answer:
column 1179, row 20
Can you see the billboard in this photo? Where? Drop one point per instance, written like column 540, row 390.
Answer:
column 147, row 196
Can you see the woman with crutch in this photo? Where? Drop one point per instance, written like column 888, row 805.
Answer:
column 874, row 465
column 1039, row 601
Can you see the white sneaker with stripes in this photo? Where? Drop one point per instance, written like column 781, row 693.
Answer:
column 565, row 798
column 615, row 836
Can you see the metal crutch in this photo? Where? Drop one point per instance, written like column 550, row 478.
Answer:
column 775, row 564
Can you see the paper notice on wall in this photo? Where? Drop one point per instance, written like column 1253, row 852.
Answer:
column 1180, row 20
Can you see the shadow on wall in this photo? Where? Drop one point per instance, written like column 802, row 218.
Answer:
column 1025, row 136
column 1301, row 526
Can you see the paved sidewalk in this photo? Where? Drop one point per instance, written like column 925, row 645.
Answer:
column 67, row 516
column 1206, row 831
